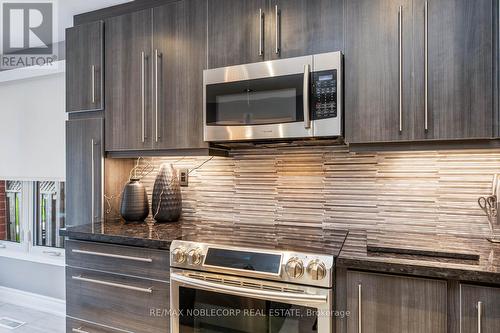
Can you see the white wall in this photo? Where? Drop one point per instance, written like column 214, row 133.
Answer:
column 32, row 146
column 32, row 128
column 41, row 279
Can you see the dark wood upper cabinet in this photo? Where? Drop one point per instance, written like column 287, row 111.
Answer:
column 84, row 160
column 394, row 304
column 84, row 67
column 128, row 82
column 378, row 40
column 304, row 27
column 480, row 308
column 247, row 31
column 236, row 31
column 460, row 55
column 179, row 43
column 446, row 87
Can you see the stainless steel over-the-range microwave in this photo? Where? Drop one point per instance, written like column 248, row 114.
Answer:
column 279, row 99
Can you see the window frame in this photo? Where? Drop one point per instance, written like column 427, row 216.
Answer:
column 26, row 248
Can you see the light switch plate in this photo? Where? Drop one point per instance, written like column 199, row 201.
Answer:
column 184, row 177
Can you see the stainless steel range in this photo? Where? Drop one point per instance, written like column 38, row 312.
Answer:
column 226, row 288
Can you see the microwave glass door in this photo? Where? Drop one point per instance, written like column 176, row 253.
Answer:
column 272, row 100
column 202, row 311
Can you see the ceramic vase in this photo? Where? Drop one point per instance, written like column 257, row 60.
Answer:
column 134, row 204
column 167, row 197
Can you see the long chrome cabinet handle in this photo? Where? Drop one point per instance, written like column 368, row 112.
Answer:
column 261, row 32
column 143, row 95
column 479, row 317
column 426, row 65
column 112, row 284
column 241, row 291
column 92, row 68
column 157, row 56
column 305, row 98
column 277, row 22
column 359, row 308
column 400, row 37
column 92, row 187
column 78, row 330
column 109, row 255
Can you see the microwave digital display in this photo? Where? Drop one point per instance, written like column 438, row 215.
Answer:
column 325, row 78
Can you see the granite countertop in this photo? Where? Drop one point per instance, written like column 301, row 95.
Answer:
column 143, row 234
column 440, row 256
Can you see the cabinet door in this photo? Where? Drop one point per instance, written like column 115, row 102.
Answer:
column 460, row 69
column 84, row 67
column 84, row 160
column 236, row 31
column 123, row 302
column 480, row 309
column 179, row 60
column 128, row 82
column 393, row 304
column 304, row 27
column 377, row 104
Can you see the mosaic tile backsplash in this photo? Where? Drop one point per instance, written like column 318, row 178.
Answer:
column 432, row 192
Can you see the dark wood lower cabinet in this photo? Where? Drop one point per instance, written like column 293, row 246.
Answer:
column 479, row 309
column 103, row 299
column 80, row 326
column 395, row 304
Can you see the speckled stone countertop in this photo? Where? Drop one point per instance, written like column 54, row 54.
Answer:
column 141, row 234
column 160, row 235
column 439, row 256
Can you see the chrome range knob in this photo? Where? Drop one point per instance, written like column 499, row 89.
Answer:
column 195, row 256
column 179, row 255
column 294, row 268
column 316, row 270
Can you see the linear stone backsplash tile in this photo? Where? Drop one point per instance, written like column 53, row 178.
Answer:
column 431, row 191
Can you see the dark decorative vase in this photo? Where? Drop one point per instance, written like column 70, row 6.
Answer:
column 167, row 197
column 134, row 205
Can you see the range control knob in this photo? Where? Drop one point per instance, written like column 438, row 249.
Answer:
column 179, row 255
column 194, row 256
column 294, row 268
column 316, row 270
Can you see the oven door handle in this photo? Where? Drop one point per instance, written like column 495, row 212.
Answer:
column 246, row 292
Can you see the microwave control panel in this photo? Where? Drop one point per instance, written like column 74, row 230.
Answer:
column 324, row 97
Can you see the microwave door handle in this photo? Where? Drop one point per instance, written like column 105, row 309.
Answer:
column 276, row 296
column 307, row 118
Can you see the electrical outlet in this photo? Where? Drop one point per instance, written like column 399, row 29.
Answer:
column 184, row 177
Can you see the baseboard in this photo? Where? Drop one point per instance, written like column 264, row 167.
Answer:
column 34, row 301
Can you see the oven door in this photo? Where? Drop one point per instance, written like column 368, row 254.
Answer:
column 211, row 303
column 267, row 100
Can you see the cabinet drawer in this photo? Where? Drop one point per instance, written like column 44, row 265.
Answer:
column 126, row 303
column 133, row 261
column 79, row 326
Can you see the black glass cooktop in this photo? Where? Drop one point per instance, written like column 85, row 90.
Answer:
column 297, row 239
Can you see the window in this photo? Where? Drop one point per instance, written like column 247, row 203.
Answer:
column 49, row 214
column 31, row 215
column 10, row 211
